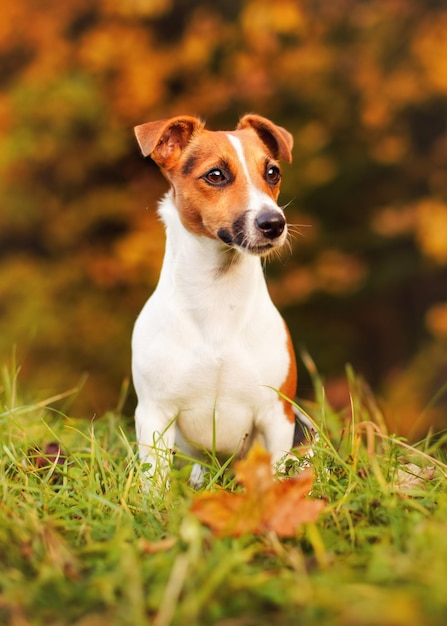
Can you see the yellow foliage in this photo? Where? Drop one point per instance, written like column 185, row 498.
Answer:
column 51, row 50
column 13, row 15
column 122, row 52
column 432, row 228
column 296, row 286
column 6, row 115
column 376, row 112
column 389, row 149
column 383, row 94
column 436, row 320
column 144, row 8
column 413, row 399
column 361, row 86
column 312, row 137
column 403, row 86
column 320, row 170
column 339, row 273
column 305, row 64
column 203, row 32
column 140, row 253
column 333, row 272
column 393, row 221
column 430, row 48
column 262, row 18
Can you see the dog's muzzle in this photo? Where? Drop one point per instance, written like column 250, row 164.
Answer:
column 256, row 235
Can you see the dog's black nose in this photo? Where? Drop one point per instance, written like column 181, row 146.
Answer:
column 271, row 224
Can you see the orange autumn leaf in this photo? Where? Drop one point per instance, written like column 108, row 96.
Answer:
column 266, row 504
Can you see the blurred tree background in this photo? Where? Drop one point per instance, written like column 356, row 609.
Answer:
column 362, row 85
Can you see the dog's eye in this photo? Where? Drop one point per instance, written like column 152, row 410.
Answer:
column 216, row 177
column 273, row 174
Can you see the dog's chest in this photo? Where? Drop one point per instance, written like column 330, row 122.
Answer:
column 229, row 362
column 214, row 360
column 224, row 351
column 222, row 389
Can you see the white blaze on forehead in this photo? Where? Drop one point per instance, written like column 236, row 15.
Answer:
column 257, row 197
column 237, row 145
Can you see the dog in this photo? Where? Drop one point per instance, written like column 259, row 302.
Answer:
column 212, row 359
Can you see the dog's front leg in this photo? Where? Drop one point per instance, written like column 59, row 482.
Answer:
column 278, row 437
column 156, row 438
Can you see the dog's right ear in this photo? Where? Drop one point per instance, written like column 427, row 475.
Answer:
column 165, row 139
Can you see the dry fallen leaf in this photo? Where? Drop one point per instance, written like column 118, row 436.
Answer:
column 52, row 454
column 50, row 459
column 411, row 476
column 266, row 505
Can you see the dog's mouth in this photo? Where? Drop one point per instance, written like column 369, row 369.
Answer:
column 259, row 236
column 259, row 250
column 242, row 243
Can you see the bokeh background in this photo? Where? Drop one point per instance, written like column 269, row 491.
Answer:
column 362, row 85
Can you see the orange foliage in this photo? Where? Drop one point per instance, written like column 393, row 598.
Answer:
column 265, row 506
column 430, row 48
column 436, row 320
column 432, row 228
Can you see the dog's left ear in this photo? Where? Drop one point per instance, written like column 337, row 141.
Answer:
column 165, row 139
column 277, row 139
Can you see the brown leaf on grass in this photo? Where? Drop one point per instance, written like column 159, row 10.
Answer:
column 51, row 458
column 411, row 476
column 266, row 505
column 52, row 454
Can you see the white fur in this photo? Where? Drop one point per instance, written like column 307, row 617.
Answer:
column 209, row 348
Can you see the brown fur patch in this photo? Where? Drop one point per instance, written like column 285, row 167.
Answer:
column 288, row 388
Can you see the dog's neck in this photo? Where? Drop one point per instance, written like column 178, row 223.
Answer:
column 202, row 269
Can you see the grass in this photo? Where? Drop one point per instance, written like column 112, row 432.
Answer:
column 81, row 542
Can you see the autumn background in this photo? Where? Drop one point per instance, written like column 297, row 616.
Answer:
column 363, row 88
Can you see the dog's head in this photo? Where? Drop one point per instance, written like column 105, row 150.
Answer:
column 226, row 184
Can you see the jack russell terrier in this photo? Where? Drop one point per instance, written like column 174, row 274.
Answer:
column 213, row 363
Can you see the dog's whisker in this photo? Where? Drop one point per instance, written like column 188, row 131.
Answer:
column 277, row 253
column 284, row 207
column 288, row 245
column 295, row 226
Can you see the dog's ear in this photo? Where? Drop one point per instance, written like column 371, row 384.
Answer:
column 165, row 139
column 276, row 138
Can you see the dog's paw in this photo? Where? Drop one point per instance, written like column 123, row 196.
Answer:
column 197, row 475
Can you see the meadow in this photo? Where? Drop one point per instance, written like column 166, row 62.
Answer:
column 83, row 542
